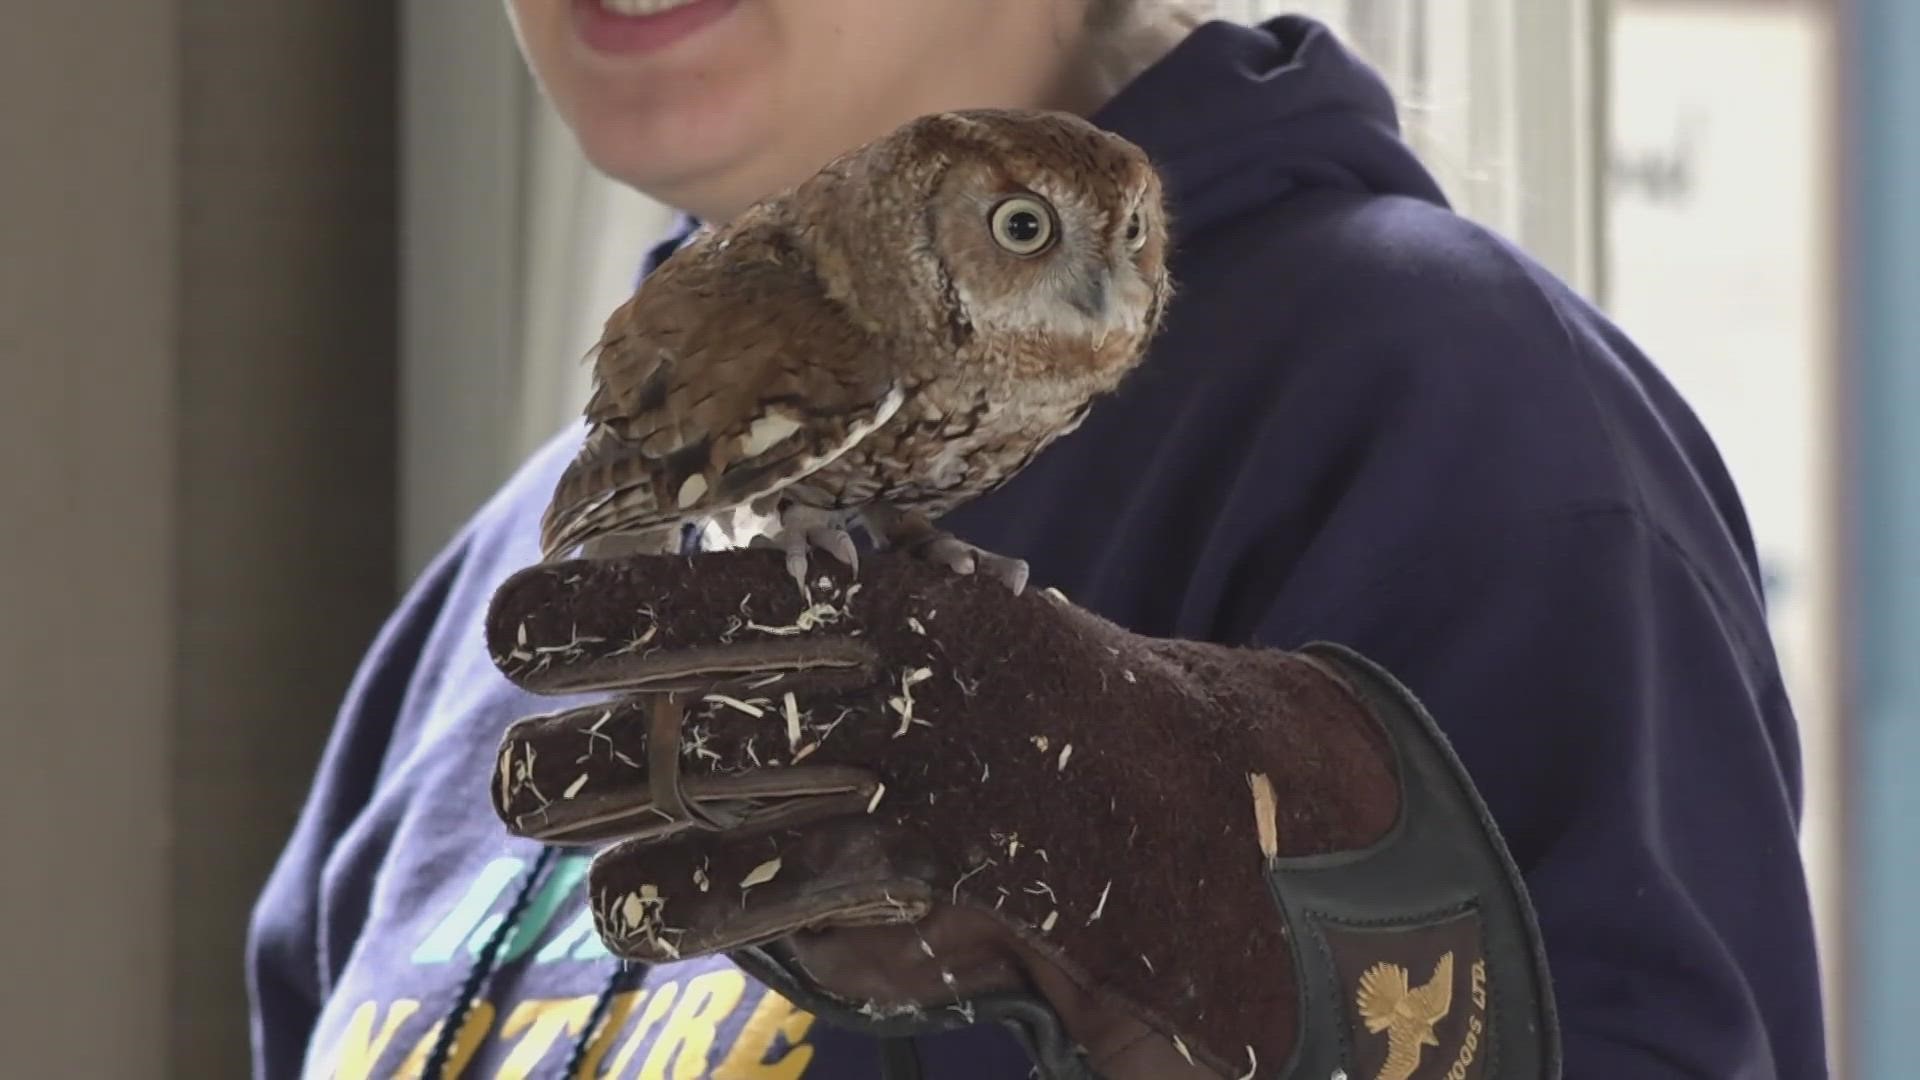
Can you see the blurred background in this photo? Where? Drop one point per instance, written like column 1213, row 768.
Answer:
column 286, row 290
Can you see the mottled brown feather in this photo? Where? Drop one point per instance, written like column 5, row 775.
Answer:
column 681, row 382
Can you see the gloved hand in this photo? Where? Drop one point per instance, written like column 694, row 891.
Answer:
column 913, row 800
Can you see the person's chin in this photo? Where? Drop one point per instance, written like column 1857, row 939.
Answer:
column 675, row 155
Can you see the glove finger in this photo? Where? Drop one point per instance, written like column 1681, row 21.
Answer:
column 631, row 769
column 698, row 894
column 846, row 916
column 641, row 623
column 960, row 965
column 862, row 932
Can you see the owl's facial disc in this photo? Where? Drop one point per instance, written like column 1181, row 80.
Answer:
column 1090, row 271
column 1029, row 228
column 1039, row 247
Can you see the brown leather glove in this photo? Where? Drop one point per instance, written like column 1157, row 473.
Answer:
column 914, row 800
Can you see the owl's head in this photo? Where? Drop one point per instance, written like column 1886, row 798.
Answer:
column 1043, row 224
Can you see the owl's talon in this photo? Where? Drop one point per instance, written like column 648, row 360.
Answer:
column 838, row 543
column 1007, row 571
column 802, row 529
column 913, row 533
column 945, row 549
column 798, row 551
column 948, row 551
column 797, row 570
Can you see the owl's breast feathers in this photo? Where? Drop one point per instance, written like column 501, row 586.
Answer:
column 951, row 441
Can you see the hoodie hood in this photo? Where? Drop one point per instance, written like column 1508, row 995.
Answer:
column 1237, row 116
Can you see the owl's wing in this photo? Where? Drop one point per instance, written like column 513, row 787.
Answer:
column 728, row 375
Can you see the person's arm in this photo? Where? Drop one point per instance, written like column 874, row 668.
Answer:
column 1633, row 740
column 286, row 967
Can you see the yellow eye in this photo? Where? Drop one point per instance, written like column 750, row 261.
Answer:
column 1136, row 232
column 1022, row 225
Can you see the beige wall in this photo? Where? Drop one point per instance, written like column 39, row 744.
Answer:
column 196, row 510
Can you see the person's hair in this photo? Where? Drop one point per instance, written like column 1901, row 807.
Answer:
column 1105, row 13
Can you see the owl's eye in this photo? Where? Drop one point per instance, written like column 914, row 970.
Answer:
column 1022, row 225
column 1136, row 232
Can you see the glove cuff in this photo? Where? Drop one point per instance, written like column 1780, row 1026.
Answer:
column 1424, row 943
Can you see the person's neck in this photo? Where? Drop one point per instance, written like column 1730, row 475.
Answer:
column 1116, row 55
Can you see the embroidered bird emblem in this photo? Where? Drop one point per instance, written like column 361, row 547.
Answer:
column 1407, row 1014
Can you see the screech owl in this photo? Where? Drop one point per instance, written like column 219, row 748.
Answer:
column 901, row 332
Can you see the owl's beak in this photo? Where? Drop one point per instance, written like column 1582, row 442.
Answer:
column 1090, row 297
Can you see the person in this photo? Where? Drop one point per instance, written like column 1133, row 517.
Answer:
column 1368, row 421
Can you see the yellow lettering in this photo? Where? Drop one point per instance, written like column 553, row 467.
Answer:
column 657, row 1007
column 688, row 1037
column 359, row 1047
column 473, row 1029
column 1468, row 1050
column 543, row 1021
column 617, row 1011
column 1480, row 984
column 774, row 1015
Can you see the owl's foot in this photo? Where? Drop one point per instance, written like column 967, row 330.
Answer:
column 915, row 534
column 804, row 529
column 836, row 542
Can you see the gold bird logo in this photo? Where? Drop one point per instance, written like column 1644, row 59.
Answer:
column 1407, row 1014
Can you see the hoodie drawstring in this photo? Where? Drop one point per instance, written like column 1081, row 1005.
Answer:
column 481, row 969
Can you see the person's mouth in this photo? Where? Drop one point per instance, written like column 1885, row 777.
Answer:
column 642, row 26
column 644, row 7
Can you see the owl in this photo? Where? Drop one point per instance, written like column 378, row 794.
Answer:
column 899, row 333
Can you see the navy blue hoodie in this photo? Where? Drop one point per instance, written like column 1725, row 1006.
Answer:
column 1368, row 421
